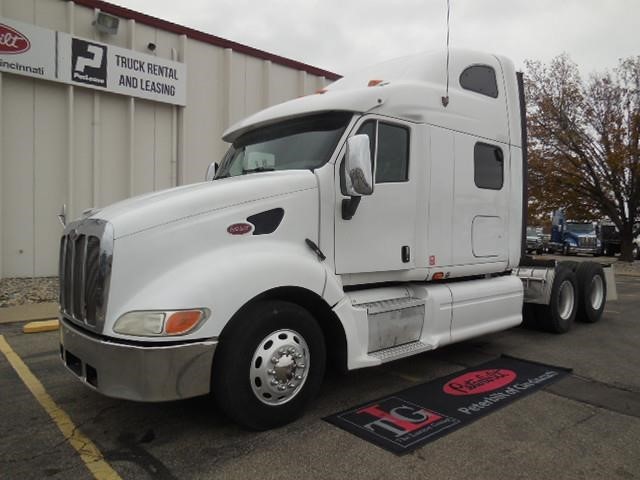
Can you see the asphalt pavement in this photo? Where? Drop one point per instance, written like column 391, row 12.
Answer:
column 585, row 426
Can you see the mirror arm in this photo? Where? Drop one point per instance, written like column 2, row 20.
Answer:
column 349, row 207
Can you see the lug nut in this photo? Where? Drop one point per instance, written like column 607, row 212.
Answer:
column 282, row 387
column 274, row 382
column 271, row 372
column 298, row 377
column 291, row 385
column 274, row 359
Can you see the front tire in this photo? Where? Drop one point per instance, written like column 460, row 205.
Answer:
column 269, row 365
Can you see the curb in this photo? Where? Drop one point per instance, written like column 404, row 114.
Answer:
column 30, row 312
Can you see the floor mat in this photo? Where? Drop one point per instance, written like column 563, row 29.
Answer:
column 408, row 419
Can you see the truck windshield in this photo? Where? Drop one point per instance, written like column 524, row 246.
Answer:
column 302, row 143
column 580, row 228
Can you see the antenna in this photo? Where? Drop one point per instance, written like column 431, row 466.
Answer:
column 445, row 99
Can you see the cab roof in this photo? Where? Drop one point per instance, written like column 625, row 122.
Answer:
column 411, row 88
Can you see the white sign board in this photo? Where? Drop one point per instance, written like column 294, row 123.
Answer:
column 118, row 70
column 41, row 53
column 27, row 50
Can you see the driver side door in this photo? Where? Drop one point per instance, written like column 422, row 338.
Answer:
column 380, row 237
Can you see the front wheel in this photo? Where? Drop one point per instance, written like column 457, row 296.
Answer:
column 269, row 365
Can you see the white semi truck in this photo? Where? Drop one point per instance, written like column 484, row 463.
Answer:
column 380, row 218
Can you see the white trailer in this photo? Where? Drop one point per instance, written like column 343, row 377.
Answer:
column 377, row 219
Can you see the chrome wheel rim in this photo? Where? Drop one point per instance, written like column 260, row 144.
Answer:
column 567, row 299
column 279, row 367
column 597, row 292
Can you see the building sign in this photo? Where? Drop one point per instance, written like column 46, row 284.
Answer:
column 27, row 50
column 119, row 70
column 58, row 56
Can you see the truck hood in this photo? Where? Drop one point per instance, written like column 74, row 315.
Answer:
column 158, row 208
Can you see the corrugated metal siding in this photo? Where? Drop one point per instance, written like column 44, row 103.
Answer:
column 84, row 148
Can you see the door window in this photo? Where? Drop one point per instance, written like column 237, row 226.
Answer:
column 389, row 150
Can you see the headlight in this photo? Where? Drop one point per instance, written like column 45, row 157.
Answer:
column 160, row 324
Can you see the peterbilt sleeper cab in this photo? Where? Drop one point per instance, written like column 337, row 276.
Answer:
column 363, row 224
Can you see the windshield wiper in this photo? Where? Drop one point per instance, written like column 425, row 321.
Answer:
column 257, row 169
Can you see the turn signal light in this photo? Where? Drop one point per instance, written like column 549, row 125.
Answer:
column 179, row 323
column 373, row 83
column 438, row 276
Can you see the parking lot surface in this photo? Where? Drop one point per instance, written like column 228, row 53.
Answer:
column 585, row 426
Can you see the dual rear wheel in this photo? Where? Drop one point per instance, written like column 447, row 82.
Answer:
column 579, row 293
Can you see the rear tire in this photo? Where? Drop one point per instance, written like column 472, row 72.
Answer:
column 592, row 289
column 558, row 316
column 570, row 264
column 273, row 341
column 529, row 316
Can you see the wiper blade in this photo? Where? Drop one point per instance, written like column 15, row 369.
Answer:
column 257, row 169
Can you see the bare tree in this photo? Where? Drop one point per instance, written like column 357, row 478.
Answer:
column 584, row 139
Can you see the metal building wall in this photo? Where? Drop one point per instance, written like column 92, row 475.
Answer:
column 64, row 144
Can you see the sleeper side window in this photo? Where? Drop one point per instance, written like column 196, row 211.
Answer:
column 389, row 150
column 488, row 166
column 480, row 79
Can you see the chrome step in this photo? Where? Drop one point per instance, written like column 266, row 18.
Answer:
column 383, row 306
column 401, row 351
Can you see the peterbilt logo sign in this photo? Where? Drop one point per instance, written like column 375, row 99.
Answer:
column 12, row 41
column 480, row 381
column 240, row 228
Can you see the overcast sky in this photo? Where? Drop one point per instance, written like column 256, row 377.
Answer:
column 343, row 35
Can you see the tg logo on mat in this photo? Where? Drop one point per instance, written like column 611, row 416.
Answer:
column 399, row 421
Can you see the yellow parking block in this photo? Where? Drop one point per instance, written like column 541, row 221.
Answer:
column 41, row 326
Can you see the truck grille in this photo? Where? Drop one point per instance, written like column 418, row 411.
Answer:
column 587, row 242
column 85, row 266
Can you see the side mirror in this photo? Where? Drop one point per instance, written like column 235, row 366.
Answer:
column 358, row 168
column 211, row 171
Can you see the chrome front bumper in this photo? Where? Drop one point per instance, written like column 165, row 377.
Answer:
column 592, row 250
column 150, row 373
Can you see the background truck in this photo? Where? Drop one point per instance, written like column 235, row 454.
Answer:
column 609, row 238
column 573, row 237
column 380, row 218
column 535, row 242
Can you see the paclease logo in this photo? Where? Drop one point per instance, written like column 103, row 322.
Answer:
column 12, row 41
column 480, row 381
